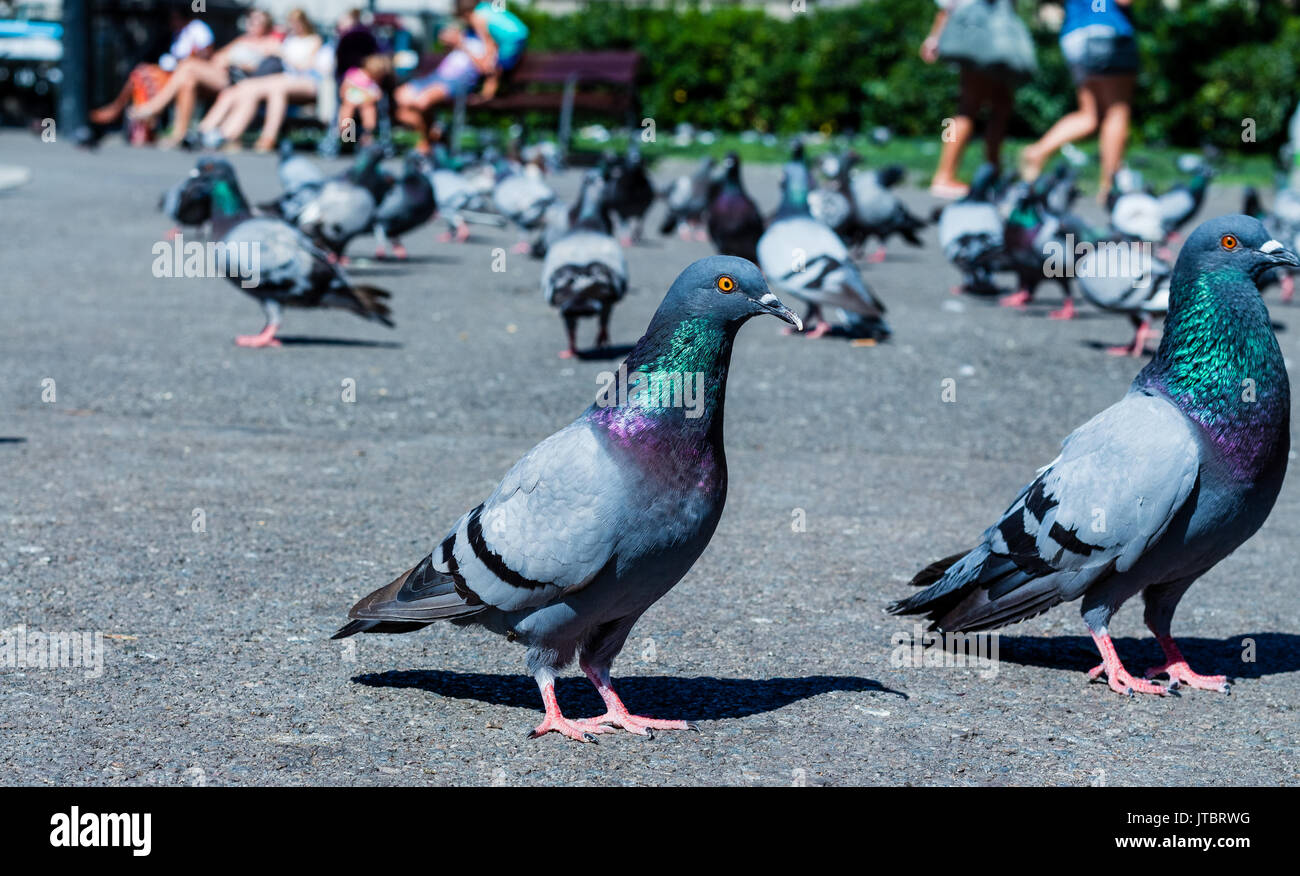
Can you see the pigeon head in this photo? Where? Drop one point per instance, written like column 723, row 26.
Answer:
column 1232, row 245
column 726, row 290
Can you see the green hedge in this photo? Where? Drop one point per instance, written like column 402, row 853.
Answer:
column 1205, row 67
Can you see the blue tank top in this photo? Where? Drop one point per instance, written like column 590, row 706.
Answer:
column 1085, row 13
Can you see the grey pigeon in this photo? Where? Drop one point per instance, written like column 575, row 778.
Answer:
column 406, row 206
column 1127, row 278
column 804, row 258
column 734, row 223
column 585, row 271
column 458, row 193
column 522, row 196
column 687, row 198
column 1151, row 493
column 596, row 523
column 1182, row 201
column 344, row 207
column 877, row 211
column 971, row 233
column 273, row 261
column 300, row 183
column 630, row 193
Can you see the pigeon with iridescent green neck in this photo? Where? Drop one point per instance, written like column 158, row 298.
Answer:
column 600, row 520
column 1151, row 493
column 268, row 258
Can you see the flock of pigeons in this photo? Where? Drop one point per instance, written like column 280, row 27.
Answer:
column 598, row 521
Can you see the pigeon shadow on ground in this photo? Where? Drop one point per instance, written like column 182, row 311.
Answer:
column 13, row 440
column 617, row 351
column 312, row 341
column 1273, row 653
column 701, row 698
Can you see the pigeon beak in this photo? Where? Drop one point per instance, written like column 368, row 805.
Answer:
column 1279, row 254
column 774, row 306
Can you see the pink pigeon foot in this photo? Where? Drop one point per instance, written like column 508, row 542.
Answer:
column 701, row 235
column 266, row 338
column 1175, row 666
column 521, row 248
column 877, row 257
column 462, row 232
column 380, row 253
column 1066, row 311
column 399, row 252
column 1018, row 299
column 955, row 290
column 1116, row 675
column 617, row 715
column 344, row 261
column 1288, row 288
column 445, row 237
column 332, row 258
column 568, row 353
column 822, row 328
column 557, row 722
column 626, row 241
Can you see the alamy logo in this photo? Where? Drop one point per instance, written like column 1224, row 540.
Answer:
column 240, row 261
column 921, row 648
column 108, row 829
column 1103, row 259
column 656, row 389
column 21, row 649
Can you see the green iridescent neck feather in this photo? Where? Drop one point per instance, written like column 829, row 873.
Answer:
column 227, row 200
column 1220, row 362
column 677, row 371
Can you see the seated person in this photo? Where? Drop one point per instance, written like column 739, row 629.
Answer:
column 191, row 38
column 300, row 81
column 457, row 74
column 503, row 35
column 360, row 92
column 244, row 53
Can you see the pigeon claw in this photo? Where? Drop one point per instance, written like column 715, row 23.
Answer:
column 1126, row 685
column 637, row 724
column 572, row 729
column 1181, row 674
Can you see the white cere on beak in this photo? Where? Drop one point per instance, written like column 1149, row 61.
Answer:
column 1271, row 246
column 770, row 300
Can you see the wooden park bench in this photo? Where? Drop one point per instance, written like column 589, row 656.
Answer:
column 601, row 83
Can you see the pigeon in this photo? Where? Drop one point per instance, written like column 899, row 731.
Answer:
column 630, row 193
column 272, row 260
column 597, row 522
column 688, row 200
column 585, row 271
column 1030, row 237
column 1125, row 277
column 735, row 225
column 1155, row 490
column 1182, row 201
column 830, row 203
column 803, row 258
column 185, row 211
column 345, row 206
column 407, row 205
column 456, row 193
column 522, row 196
column 877, row 211
column 970, row 233
column 1283, row 222
column 1125, row 181
column 300, row 183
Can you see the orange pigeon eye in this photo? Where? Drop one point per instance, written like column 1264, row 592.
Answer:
column 1228, row 242
column 726, row 284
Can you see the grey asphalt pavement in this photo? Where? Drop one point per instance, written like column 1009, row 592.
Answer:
column 217, row 663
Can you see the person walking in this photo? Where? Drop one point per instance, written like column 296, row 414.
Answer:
column 994, row 51
column 1098, row 42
